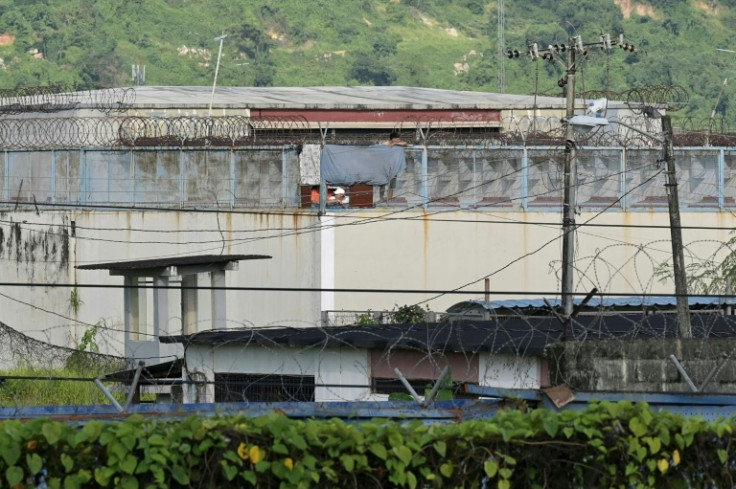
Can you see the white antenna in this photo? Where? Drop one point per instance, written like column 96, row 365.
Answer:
column 217, row 69
column 501, row 47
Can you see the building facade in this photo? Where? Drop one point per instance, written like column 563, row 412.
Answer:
column 480, row 197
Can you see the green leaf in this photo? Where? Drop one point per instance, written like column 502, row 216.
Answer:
column 11, row 453
column 179, row 475
column 128, row 464
column 411, row 479
column 71, row 481
column 230, row 470
column 103, row 475
column 129, row 441
column 129, row 482
column 378, row 450
column 67, row 462
column 722, row 455
column 441, row 448
column 637, row 427
column 250, row 476
column 504, row 484
column 280, row 448
column 156, row 440
column 490, row 467
column 403, row 453
column 348, row 462
column 447, row 469
column 35, row 463
column 551, row 425
column 654, row 444
column 14, row 475
column 52, row 431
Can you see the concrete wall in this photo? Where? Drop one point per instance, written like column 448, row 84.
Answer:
column 331, row 368
column 43, row 249
column 510, row 371
column 643, row 365
column 441, row 246
column 520, row 252
column 368, row 250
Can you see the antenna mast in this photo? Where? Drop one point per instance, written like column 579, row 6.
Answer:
column 501, row 49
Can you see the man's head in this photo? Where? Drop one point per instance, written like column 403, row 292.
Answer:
column 393, row 135
column 339, row 191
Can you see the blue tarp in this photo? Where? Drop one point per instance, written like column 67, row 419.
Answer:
column 350, row 165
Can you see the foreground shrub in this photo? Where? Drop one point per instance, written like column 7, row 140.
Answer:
column 620, row 445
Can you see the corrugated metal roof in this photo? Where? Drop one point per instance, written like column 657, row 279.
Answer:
column 353, row 98
column 621, row 301
column 519, row 334
column 176, row 261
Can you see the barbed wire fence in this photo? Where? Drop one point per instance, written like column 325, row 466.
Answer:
column 352, row 355
column 505, row 347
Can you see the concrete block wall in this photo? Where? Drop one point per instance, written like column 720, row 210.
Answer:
column 643, row 365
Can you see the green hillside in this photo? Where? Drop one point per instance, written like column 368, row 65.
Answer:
column 449, row 44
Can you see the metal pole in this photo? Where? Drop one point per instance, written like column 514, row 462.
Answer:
column 678, row 258
column 134, row 385
column 570, row 172
column 436, row 386
column 109, row 396
column 217, row 70
column 408, row 386
column 684, row 374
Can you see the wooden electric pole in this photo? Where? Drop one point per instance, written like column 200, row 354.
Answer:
column 684, row 328
column 570, row 192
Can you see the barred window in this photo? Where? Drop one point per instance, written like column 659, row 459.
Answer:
column 263, row 388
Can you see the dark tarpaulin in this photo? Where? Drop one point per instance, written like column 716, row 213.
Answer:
column 372, row 165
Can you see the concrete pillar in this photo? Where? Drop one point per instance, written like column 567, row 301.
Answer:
column 135, row 308
column 189, row 304
column 160, row 307
column 219, row 301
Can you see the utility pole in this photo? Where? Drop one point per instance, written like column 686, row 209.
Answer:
column 684, row 328
column 550, row 54
column 570, row 197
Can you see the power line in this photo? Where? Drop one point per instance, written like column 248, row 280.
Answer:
column 360, row 291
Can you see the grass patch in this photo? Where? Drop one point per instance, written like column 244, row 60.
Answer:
column 42, row 387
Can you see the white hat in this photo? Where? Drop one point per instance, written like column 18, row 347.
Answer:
column 339, row 190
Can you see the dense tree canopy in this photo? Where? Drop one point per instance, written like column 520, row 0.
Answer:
column 449, row 44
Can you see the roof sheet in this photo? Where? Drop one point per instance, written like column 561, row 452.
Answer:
column 519, row 335
column 176, row 261
column 596, row 301
column 355, row 98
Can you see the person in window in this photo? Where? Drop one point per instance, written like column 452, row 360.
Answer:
column 338, row 197
column 395, row 140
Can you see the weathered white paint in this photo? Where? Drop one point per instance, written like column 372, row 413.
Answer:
column 327, row 268
column 395, row 252
column 510, row 371
column 343, row 374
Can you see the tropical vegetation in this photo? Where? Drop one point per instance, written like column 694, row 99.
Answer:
column 621, row 445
